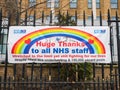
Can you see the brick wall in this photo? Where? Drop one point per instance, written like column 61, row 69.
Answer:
column 54, row 72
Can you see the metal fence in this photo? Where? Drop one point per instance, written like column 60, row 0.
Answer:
column 37, row 84
column 49, row 81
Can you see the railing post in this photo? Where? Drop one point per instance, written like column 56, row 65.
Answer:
column 6, row 58
column 0, row 21
column 118, row 46
column 67, row 19
column 1, row 83
column 84, row 20
column 111, row 65
column 41, row 76
column 51, row 17
column 93, row 63
column 34, row 21
column 116, row 80
column 92, row 19
column 0, row 24
column 76, row 18
column 42, row 17
column 59, row 14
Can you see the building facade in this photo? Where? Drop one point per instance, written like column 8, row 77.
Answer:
column 71, row 6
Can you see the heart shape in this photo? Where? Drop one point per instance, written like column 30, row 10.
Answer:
column 28, row 41
column 90, row 41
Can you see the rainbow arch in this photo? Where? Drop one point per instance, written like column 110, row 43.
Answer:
column 23, row 45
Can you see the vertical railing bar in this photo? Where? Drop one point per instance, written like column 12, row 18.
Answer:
column 14, row 74
column 92, row 19
column 9, row 83
column 26, row 18
column 112, row 83
column 32, row 69
column 18, row 84
column 27, row 84
column 103, row 84
column 1, row 27
column 102, row 64
column 76, row 18
column 118, row 45
column 58, row 75
column 67, row 16
column 85, row 71
column 67, row 72
column 107, row 86
column 6, row 58
column 84, row 24
column 36, row 83
column 17, row 18
column 59, row 14
column 111, row 65
column 101, row 19
column 84, row 19
column 98, row 83
column 41, row 76
column 23, row 87
column 49, row 72
column 109, row 23
column 23, row 66
column 42, row 17
column 0, row 21
column 59, row 71
column 67, row 66
column 14, row 65
column 50, row 18
column 93, row 63
column 77, row 72
column 34, row 20
column 116, row 80
column 45, row 84
column 0, row 83
column 23, row 76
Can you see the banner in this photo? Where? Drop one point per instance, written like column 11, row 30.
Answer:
column 59, row 44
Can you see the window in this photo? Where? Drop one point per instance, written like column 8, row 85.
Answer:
column 97, row 3
column 114, row 3
column 3, row 41
column 32, row 3
column 31, row 18
column 56, row 3
column 113, row 17
column 97, row 18
column 73, row 18
column 73, row 3
column 90, row 3
column 48, row 3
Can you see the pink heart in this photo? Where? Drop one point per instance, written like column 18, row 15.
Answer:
column 28, row 41
column 90, row 41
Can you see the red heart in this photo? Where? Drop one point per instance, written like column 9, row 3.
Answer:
column 90, row 41
column 28, row 41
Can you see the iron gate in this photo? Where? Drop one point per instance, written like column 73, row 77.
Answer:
column 48, row 76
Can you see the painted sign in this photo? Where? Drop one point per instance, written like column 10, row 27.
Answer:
column 53, row 44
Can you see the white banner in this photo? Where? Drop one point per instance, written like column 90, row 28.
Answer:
column 53, row 44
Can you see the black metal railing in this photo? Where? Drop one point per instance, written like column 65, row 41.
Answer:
column 44, row 84
column 47, row 82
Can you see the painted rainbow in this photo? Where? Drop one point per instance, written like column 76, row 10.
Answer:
column 23, row 45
